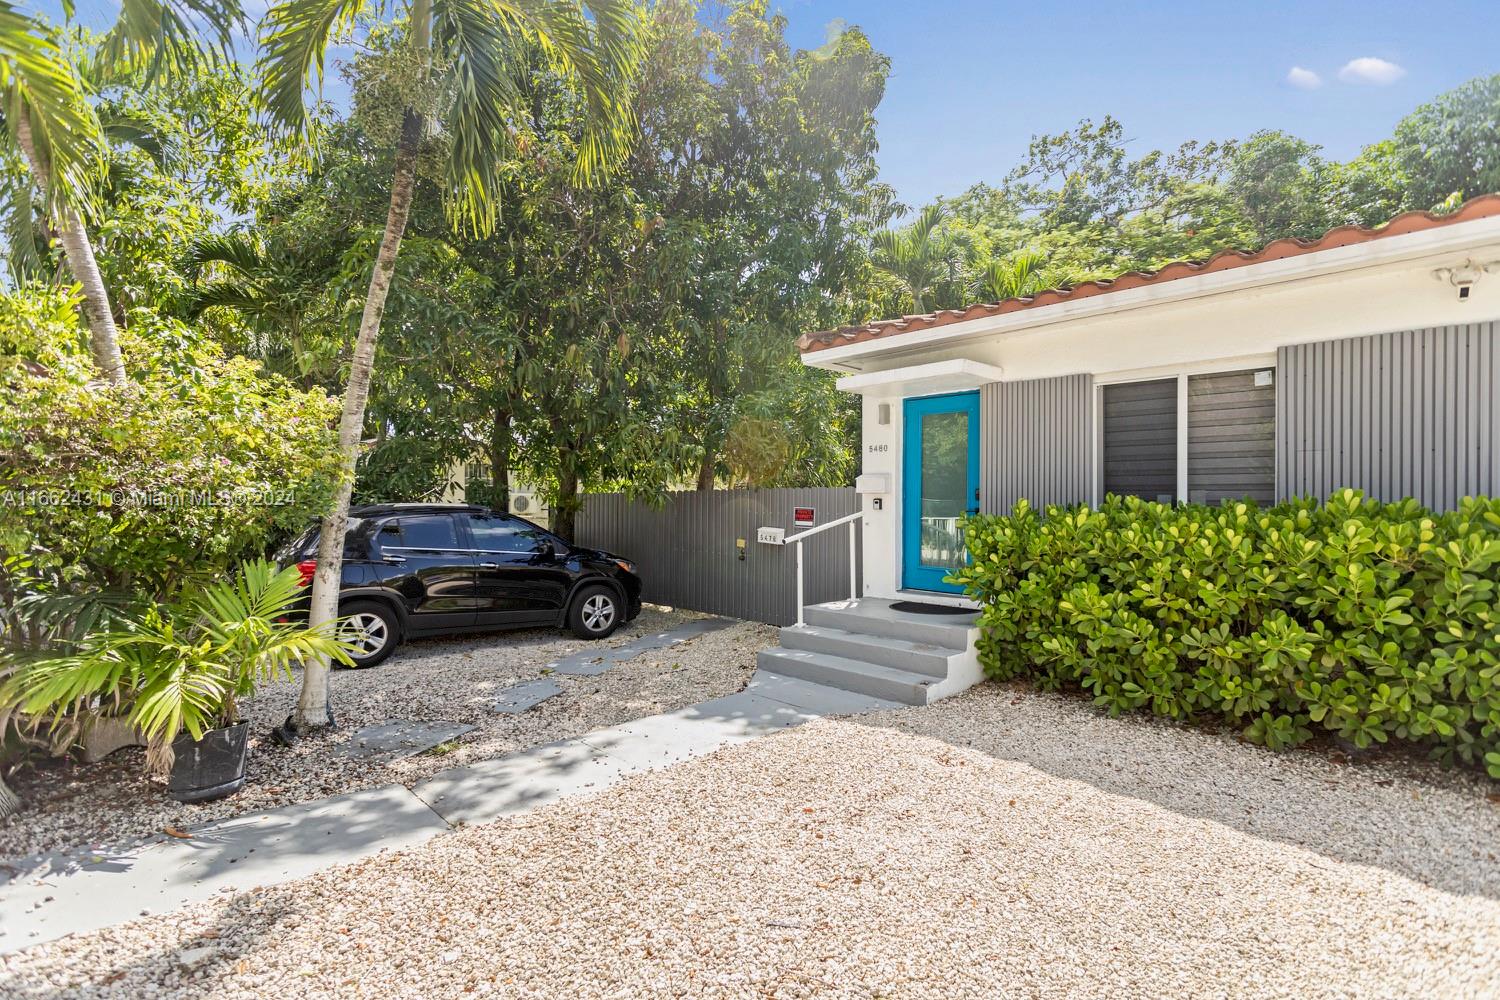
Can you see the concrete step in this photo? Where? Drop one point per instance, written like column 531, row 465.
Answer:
column 903, row 654
column 874, row 616
column 848, row 675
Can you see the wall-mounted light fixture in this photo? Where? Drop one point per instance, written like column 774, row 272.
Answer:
column 1465, row 276
column 883, row 414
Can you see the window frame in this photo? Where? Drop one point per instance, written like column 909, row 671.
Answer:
column 467, row 533
column 458, row 536
column 1181, row 373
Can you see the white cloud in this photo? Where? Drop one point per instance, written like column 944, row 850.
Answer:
column 1303, row 79
column 1368, row 69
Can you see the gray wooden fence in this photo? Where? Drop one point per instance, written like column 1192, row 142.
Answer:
column 688, row 558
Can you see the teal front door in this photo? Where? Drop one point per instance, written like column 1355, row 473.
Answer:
column 940, row 484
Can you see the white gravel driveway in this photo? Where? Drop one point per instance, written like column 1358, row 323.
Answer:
column 998, row 844
column 454, row 680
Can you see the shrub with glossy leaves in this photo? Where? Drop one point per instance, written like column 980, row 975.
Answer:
column 1371, row 621
column 185, row 470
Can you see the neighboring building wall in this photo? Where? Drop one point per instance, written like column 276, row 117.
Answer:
column 1036, row 441
column 1231, row 434
column 1399, row 414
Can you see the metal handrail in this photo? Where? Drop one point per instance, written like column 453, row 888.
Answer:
column 850, row 520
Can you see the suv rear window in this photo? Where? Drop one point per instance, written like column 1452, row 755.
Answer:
column 421, row 531
column 305, row 544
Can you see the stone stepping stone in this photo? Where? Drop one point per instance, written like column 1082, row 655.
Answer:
column 587, row 663
column 399, row 738
column 518, row 698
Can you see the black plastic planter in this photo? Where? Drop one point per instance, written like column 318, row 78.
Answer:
column 209, row 768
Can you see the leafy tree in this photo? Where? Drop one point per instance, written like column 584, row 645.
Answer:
column 45, row 96
column 49, row 120
column 455, row 66
column 1449, row 148
column 1281, row 184
column 756, row 172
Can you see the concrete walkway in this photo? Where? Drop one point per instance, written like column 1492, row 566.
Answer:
column 63, row 893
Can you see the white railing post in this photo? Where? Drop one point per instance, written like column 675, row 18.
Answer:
column 799, row 584
column 853, row 576
column 850, row 520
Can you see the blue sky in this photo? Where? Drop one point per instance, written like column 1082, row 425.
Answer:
column 971, row 82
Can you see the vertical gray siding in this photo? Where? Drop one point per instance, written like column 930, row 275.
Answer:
column 1140, row 439
column 1231, row 438
column 686, row 554
column 1036, row 442
column 1402, row 414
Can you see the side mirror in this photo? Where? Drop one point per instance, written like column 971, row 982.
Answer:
column 547, row 550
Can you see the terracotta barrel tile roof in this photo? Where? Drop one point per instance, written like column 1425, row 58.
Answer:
column 1480, row 207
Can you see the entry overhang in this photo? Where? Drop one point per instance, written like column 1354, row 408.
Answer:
column 954, row 375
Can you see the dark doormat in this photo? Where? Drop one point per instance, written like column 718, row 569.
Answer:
column 919, row 608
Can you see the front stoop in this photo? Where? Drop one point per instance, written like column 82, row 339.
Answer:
column 865, row 646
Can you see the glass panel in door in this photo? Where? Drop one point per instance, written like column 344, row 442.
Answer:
column 940, row 471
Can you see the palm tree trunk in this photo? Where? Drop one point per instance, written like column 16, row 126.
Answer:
column 104, row 338
column 312, row 704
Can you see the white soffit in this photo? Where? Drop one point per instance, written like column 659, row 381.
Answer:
column 954, row 375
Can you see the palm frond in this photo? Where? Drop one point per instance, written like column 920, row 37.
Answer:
column 122, row 126
column 482, row 48
column 161, row 38
column 46, row 111
column 239, row 250
column 1017, row 276
column 18, row 228
column 294, row 44
column 598, row 43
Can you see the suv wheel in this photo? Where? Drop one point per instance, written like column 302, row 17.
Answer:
column 596, row 612
column 372, row 629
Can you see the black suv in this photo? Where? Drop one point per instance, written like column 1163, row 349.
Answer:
column 431, row 569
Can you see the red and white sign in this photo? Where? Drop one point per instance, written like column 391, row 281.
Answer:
column 804, row 517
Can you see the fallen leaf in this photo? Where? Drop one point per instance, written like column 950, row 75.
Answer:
column 172, row 831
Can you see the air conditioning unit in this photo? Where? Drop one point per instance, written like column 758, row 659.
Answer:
column 525, row 504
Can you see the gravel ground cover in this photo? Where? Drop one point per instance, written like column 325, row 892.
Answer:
column 981, row 847
column 112, row 804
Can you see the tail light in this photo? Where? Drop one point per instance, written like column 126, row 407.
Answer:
column 307, row 568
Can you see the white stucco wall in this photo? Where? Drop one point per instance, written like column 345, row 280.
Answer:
column 1229, row 321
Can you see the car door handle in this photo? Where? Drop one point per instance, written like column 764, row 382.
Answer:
column 489, row 565
column 395, row 559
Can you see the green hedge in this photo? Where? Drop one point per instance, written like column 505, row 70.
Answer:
column 1368, row 620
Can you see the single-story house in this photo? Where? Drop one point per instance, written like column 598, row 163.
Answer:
column 1365, row 358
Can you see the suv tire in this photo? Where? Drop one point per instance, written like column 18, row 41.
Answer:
column 373, row 625
column 596, row 612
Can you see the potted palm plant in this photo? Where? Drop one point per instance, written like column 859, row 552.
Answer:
column 186, row 666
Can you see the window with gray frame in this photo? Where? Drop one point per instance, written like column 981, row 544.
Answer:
column 1232, row 437
column 1140, row 439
